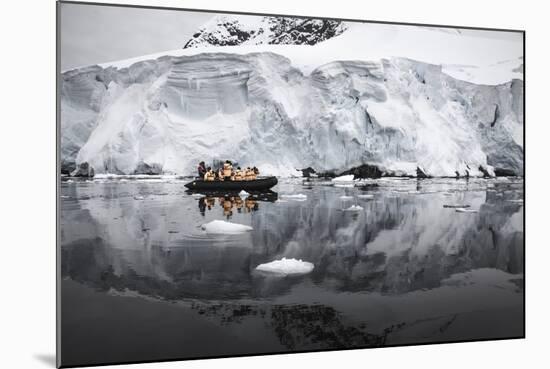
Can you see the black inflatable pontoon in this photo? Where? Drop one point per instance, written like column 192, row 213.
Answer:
column 260, row 184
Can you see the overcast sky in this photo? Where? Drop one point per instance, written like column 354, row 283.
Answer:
column 92, row 34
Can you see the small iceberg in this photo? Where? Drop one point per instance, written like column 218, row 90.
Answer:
column 344, row 198
column 348, row 178
column 463, row 210
column 243, row 193
column 223, row 227
column 286, row 266
column 354, row 208
column 296, row 197
column 365, row 196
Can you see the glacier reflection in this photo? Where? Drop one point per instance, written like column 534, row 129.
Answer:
column 397, row 271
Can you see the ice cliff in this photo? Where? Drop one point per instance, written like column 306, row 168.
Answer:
column 261, row 105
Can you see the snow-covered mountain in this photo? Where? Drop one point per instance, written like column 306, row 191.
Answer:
column 233, row 30
column 350, row 100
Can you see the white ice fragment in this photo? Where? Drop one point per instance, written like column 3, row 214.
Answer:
column 354, row 208
column 365, row 196
column 348, row 178
column 138, row 197
column 286, row 266
column 223, row 227
column 344, row 197
column 463, row 210
column 296, row 197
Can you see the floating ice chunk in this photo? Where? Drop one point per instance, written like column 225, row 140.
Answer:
column 296, row 197
column 354, row 208
column 286, row 266
column 344, row 197
column 138, row 197
column 456, row 206
column 243, row 193
column 223, row 227
column 463, row 210
column 365, row 196
column 348, row 178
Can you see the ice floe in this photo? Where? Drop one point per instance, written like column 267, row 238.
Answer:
column 365, row 196
column 348, row 178
column 463, row 210
column 354, row 208
column 223, row 227
column 295, row 197
column 286, row 266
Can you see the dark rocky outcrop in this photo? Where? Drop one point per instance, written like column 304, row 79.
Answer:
column 83, row 170
column 307, row 172
column 364, row 171
column 150, row 169
column 502, row 172
column 484, row 171
column 67, row 167
column 420, row 173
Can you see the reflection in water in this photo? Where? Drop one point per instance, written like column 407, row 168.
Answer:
column 404, row 269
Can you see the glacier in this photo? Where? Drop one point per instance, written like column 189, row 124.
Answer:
column 283, row 107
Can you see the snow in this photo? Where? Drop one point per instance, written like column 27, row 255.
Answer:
column 331, row 106
column 347, row 178
column 286, row 266
column 223, row 227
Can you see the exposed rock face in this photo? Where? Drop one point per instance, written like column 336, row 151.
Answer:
column 364, row 171
column 83, row 170
column 420, row 173
column 144, row 168
column 307, row 172
column 499, row 172
column 230, row 30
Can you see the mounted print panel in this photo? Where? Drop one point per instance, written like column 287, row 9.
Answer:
column 238, row 184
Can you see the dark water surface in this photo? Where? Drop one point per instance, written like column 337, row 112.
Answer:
column 142, row 281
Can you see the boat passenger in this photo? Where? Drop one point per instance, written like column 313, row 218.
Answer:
column 209, row 175
column 201, row 169
column 227, row 170
column 220, row 174
column 255, row 172
column 239, row 175
column 248, row 174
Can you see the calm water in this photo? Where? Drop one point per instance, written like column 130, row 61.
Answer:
column 141, row 281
